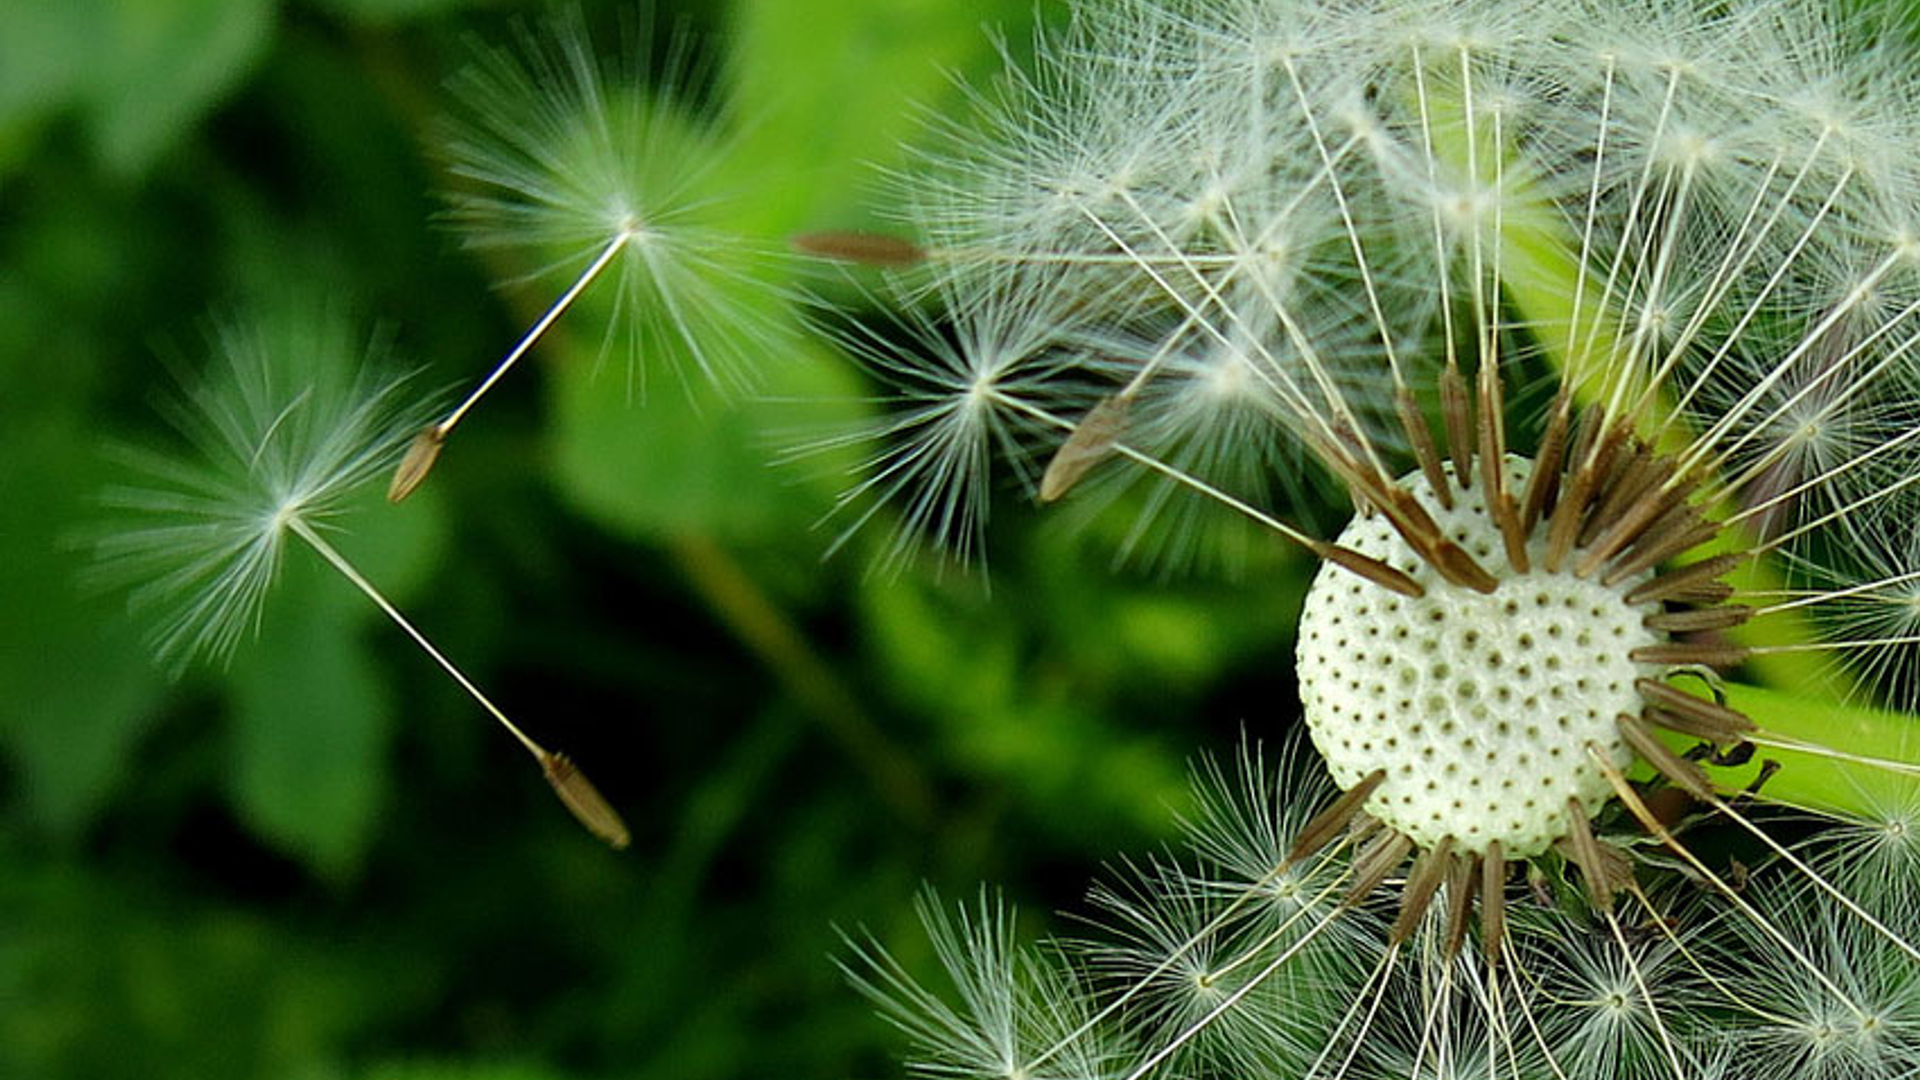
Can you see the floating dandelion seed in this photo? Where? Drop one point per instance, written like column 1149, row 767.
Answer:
column 295, row 421
column 591, row 168
column 968, row 392
column 285, row 428
column 1540, row 644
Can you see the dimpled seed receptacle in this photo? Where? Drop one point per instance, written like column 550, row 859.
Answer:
column 1479, row 707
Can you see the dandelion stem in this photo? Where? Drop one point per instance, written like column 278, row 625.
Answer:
column 1145, row 982
column 419, row 459
column 339, row 562
column 1434, row 1016
column 1646, row 994
column 534, row 333
column 1526, row 1013
column 1658, row 919
column 1226, row 1004
column 1172, row 473
column 745, row 609
column 575, row 791
column 1382, row 972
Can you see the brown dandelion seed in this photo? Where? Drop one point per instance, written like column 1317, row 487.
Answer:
column 864, row 248
column 584, row 800
column 1370, row 568
column 417, row 462
column 1420, row 438
column 1376, row 862
column 1669, row 764
column 1327, row 824
column 1693, row 583
column 1429, row 870
column 1604, row 867
column 1683, row 653
column 1454, row 406
column 1675, row 709
column 1493, row 901
column 1700, row 620
column 1463, row 876
column 1091, row 443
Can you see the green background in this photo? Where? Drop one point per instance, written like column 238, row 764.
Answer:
column 321, row 860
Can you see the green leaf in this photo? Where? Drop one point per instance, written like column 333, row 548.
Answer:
column 1159, row 636
column 830, row 88
column 312, row 724
column 46, row 49
column 77, row 681
column 691, row 460
column 160, row 65
column 1834, row 757
column 109, row 977
column 141, row 72
column 312, row 717
column 1038, row 726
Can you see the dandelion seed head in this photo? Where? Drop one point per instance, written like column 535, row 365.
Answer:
column 291, row 419
column 1378, row 238
column 565, row 158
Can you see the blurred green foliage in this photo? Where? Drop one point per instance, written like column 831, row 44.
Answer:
column 322, row 861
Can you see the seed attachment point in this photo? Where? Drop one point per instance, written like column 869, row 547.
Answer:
column 1429, row 871
column 1685, row 774
column 1604, row 868
column 1327, row 824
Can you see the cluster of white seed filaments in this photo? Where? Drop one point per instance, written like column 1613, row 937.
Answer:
column 1256, row 233
column 1212, row 240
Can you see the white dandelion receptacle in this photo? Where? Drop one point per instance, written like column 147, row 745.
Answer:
column 1479, row 706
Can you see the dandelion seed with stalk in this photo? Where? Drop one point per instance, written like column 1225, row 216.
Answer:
column 1636, row 292
column 290, row 423
column 600, row 168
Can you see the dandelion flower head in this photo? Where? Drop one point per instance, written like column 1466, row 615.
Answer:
column 1603, row 316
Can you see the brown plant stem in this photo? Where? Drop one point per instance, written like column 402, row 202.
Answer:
column 731, row 594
